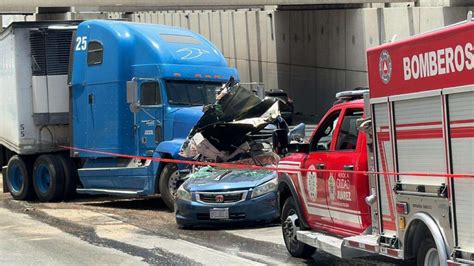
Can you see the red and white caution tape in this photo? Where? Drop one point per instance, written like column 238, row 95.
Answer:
column 267, row 168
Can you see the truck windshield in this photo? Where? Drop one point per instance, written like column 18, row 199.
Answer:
column 191, row 93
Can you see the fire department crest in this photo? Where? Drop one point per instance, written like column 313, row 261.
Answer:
column 312, row 184
column 385, row 66
column 332, row 187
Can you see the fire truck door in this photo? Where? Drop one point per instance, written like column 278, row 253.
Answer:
column 346, row 191
column 315, row 183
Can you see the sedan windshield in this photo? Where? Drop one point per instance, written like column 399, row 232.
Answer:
column 191, row 93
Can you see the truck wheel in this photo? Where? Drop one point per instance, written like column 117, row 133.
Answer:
column 427, row 253
column 290, row 225
column 71, row 179
column 48, row 178
column 19, row 178
column 169, row 184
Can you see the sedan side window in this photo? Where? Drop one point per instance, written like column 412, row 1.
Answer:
column 323, row 137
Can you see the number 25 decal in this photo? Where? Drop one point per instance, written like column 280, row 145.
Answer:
column 81, row 43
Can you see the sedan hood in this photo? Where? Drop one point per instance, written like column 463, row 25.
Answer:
column 212, row 179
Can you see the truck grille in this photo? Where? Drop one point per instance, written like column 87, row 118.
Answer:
column 221, row 197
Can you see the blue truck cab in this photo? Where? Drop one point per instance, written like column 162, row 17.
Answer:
column 137, row 89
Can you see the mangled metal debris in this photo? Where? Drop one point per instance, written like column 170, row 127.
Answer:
column 224, row 132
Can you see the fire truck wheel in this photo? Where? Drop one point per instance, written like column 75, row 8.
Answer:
column 18, row 178
column 48, row 178
column 290, row 225
column 427, row 253
column 169, row 183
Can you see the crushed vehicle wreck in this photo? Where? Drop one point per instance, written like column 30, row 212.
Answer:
column 236, row 129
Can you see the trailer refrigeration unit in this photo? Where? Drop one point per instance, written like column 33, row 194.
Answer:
column 108, row 86
column 419, row 120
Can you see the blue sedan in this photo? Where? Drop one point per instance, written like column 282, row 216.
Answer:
column 218, row 196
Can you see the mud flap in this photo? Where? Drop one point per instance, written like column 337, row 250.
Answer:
column 4, row 179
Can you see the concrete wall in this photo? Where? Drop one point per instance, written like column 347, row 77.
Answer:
column 311, row 54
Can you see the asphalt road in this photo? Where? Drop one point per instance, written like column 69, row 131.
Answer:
column 106, row 230
column 26, row 241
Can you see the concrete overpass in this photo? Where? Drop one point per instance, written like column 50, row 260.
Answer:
column 19, row 6
column 311, row 49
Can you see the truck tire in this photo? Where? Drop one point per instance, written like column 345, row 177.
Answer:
column 71, row 178
column 48, row 178
column 168, row 184
column 19, row 178
column 290, row 224
column 427, row 253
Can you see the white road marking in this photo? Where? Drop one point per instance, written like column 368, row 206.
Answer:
column 113, row 229
column 271, row 234
column 30, row 242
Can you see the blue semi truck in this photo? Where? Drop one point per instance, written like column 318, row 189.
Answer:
column 109, row 86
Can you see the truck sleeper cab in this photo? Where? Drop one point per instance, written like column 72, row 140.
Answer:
column 136, row 89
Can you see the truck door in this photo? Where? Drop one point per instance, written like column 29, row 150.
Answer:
column 346, row 191
column 315, row 184
column 150, row 117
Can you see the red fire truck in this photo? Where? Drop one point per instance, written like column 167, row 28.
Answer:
column 418, row 118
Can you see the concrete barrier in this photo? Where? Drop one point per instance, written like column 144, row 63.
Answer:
column 311, row 54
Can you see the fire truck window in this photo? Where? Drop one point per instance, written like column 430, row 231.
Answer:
column 150, row 94
column 322, row 140
column 348, row 133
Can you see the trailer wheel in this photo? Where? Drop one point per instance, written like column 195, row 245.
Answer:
column 427, row 253
column 48, row 178
column 289, row 225
column 71, row 179
column 169, row 184
column 19, row 178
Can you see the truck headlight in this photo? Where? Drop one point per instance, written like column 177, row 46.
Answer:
column 265, row 188
column 183, row 193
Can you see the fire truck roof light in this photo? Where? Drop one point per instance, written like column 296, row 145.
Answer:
column 353, row 94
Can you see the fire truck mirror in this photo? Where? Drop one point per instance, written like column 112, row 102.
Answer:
column 298, row 147
column 364, row 125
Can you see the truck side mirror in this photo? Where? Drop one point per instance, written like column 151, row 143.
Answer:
column 132, row 96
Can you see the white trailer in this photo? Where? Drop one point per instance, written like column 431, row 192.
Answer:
column 34, row 102
column 34, row 93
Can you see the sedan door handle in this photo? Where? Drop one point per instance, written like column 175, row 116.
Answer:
column 320, row 166
column 349, row 167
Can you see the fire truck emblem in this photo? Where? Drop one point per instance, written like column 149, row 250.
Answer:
column 332, row 187
column 312, row 184
column 385, row 66
column 219, row 198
